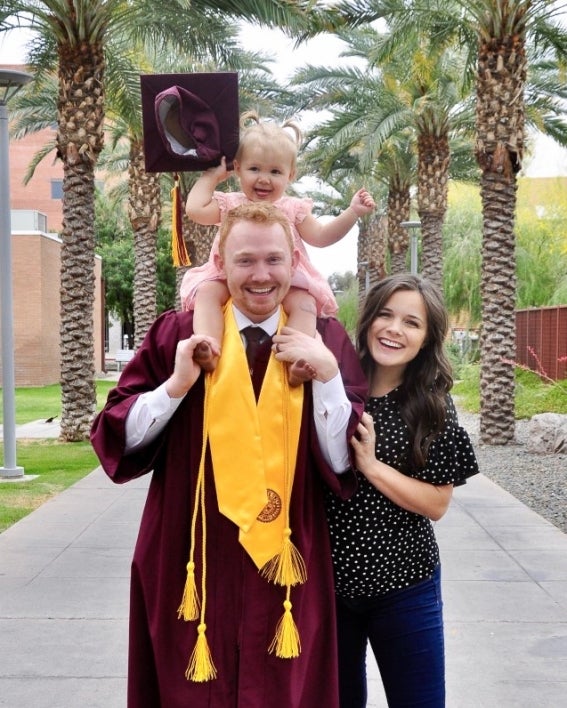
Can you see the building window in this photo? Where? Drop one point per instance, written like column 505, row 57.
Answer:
column 57, row 189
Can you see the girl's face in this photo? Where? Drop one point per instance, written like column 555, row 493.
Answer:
column 263, row 173
column 399, row 331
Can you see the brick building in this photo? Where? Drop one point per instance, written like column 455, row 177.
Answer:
column 36, row 258
column 43, row 192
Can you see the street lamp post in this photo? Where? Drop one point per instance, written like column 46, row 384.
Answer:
column 412, row 227
column 365, row 265
column 10, row 84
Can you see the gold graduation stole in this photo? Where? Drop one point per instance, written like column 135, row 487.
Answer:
column 254, row 452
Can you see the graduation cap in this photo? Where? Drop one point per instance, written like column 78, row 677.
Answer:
column 190, row 121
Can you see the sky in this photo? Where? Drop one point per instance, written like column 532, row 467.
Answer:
column 548, row 160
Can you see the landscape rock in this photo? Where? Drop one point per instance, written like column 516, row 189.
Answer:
column 547, row 434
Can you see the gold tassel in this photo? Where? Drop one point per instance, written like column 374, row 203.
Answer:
column 201, row 667
column 189, row 607
column 288, row 567
column 286, row 642
column 178, row 249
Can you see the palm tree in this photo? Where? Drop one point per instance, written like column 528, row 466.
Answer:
column 501, row 83
column 124, row 130
column 497, row 34
column 423, row 88
column 409, row 93
column 68, row 29
column 72, row 37
column 396, row 168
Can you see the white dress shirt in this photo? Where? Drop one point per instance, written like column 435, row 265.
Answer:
column 331, row 410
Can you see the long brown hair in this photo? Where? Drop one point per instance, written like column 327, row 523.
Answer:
column 422, row 396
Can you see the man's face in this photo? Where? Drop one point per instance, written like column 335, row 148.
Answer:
column 258, row 264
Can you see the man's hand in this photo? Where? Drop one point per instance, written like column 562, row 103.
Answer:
column 186, row 371
column 292, row 346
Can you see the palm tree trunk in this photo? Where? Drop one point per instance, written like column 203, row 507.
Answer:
column 145, row 308
column 80, row 138
column 377, row 229
column 498, row 291
column 198, row 241
column 144, row 211
column 179, row 273
column 432, row 248
column 363, row 262
column 500, row 119
column 434, row 158
column 398, row 237
column 78, row 392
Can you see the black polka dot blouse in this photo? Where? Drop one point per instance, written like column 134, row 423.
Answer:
column 377, row 546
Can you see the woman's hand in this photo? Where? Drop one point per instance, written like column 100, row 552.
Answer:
column 412, row 494
column 364, row 443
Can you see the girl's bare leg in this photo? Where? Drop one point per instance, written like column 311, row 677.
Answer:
column 210, row 298
column 301, row 312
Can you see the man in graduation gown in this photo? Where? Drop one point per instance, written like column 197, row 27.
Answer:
column 168, row 417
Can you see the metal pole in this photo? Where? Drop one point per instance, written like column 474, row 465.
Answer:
column 365, row 264
column 413, row 252
column 11, row 81
column 10, row 468
column 412, row 226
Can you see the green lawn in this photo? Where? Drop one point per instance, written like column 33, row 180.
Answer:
column 533, row 395
column 55, row 464
column 42, row 402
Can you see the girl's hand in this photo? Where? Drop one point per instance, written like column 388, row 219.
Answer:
column 364, row 443
column 362, row 203
column 220, row 173
column 291, row 346
column 200, row 206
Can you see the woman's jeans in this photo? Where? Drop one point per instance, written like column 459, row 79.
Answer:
column 405, row 630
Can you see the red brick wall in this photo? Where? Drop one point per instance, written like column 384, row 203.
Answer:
column 37, row 193
column 36, row 261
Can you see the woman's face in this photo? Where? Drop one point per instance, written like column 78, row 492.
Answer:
column 399, row 330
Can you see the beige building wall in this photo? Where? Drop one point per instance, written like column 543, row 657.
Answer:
column 36, row 259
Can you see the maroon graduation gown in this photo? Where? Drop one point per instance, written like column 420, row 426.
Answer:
column 242, row 608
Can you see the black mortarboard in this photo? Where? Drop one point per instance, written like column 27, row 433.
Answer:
column 190, row 120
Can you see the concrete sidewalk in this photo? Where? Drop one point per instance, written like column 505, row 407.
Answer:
column 64, row 575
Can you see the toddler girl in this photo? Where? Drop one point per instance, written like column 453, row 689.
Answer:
column 265, row 165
